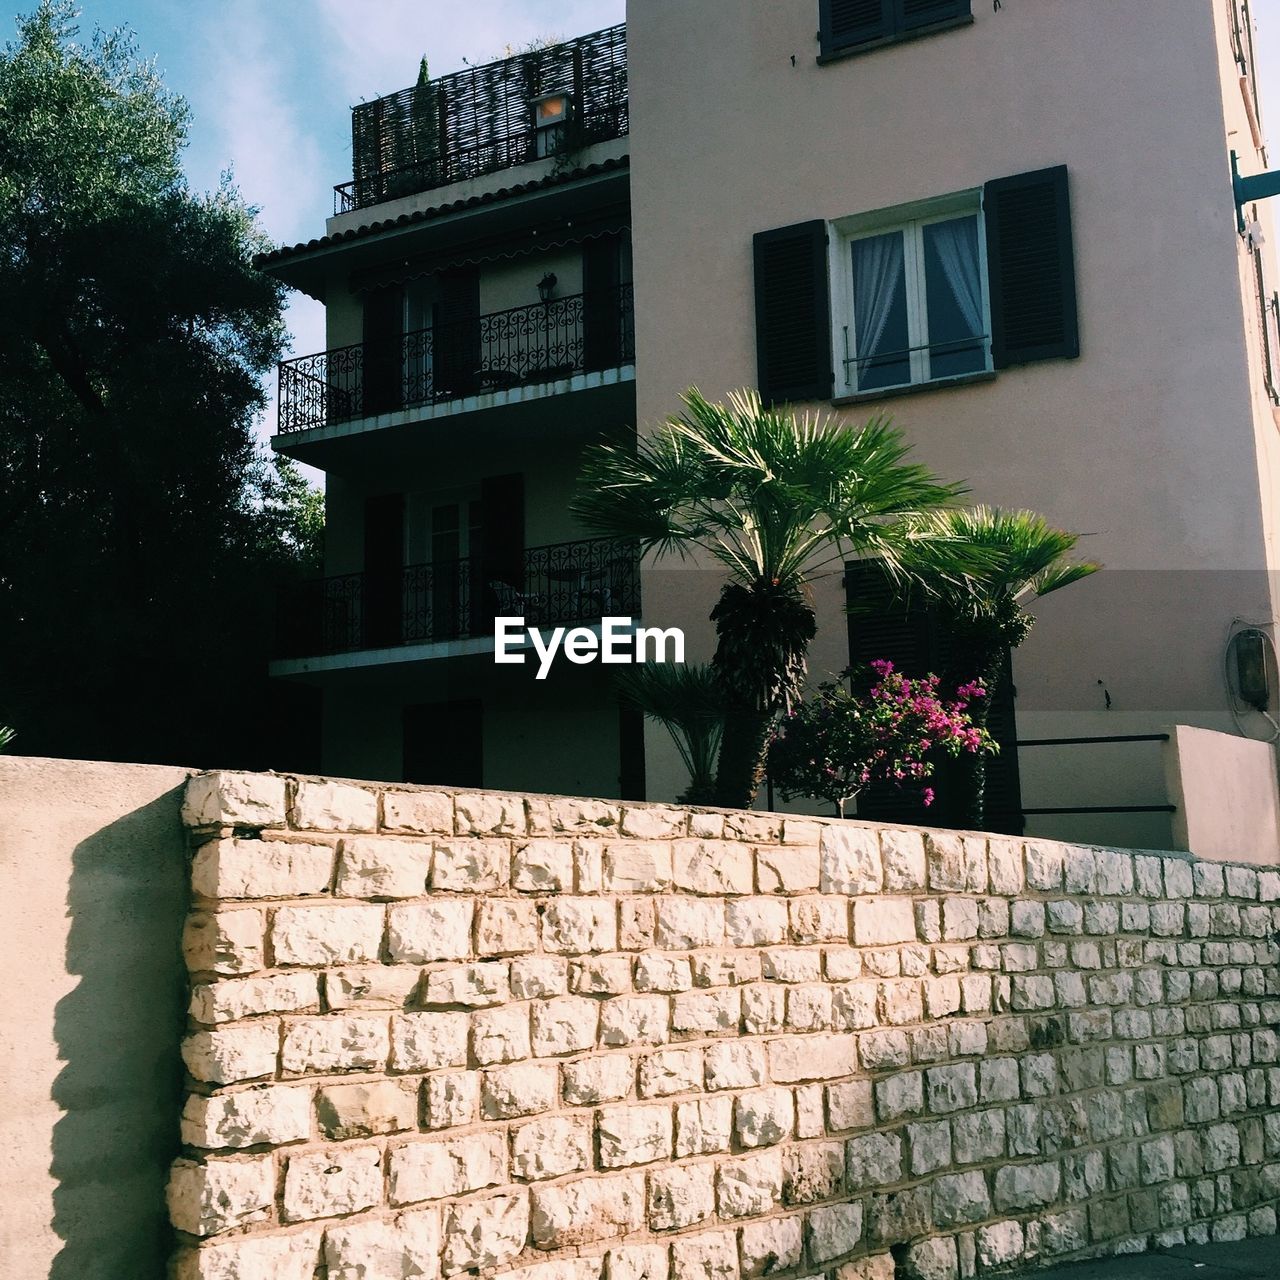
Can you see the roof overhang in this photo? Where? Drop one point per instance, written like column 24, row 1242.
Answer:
column 514, row 219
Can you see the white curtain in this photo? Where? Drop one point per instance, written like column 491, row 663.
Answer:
column 877, row 273
column 957, row 245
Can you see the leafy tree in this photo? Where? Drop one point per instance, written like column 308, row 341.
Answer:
column 141, row 528
column 774, row 500
column 1018, row 557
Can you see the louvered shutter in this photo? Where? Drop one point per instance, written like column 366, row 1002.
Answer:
column 845, row 23
column 924, row 13
column 1004, row 781
column 793, row 313
column 1031, row 268
column 884, row 626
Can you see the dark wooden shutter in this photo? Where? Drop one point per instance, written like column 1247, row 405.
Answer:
column 383, row 349
column 793, row 313
column 501, row 556
column 602, row 302
column 1004, row 781
column 383, row 569
column 630, row 751
column 882, row 625
column 845, row 23
column 914, row 14
column 456, row 320
column 1031, row 268
column 443, row 744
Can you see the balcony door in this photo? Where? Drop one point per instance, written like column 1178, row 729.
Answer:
column 383, row 570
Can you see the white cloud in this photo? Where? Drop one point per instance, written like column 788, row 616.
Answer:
column 379, row 55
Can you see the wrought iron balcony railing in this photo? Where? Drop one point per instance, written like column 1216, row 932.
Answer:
column 542, row 342
column 481, row 120
column 568, row 582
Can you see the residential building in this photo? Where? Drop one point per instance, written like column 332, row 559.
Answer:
column 1011, row 227
column 476, row 277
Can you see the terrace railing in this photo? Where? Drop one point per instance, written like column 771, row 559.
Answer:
column 524, row 346
column 481, row 120
column 568, row 582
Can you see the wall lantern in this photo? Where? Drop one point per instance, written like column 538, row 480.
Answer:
column 550, row 115
column 547, row 287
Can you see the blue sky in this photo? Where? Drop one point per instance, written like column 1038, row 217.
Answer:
column 271, row 84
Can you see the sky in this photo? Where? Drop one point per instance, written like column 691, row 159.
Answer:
column 271, row 84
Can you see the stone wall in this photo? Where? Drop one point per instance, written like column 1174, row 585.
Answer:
column 552, row 1039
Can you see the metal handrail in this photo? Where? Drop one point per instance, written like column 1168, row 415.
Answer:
column 558, row 583
column 520, row 346
column 481, row 119
column 478, row 160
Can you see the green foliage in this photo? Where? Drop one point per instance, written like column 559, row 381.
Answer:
column 1019, row 556
column 142, row 528
column 6, row 736
column 1016, row 557
column 766, row 494
column 774, row 500
column 687, row 701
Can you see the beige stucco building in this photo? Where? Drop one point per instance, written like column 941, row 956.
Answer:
column 1011, row 228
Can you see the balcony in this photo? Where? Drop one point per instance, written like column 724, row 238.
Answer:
column 525, row 346
column 566, row 583
column 484, row 119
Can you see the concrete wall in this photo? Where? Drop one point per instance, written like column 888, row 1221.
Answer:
column 449, row 1033
column 1224, row 790
column 1157, row 443
column 92, row 859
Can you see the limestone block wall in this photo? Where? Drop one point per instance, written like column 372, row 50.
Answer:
column 439, row 1034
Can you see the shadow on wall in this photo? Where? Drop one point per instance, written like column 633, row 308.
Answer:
column 118, row 1033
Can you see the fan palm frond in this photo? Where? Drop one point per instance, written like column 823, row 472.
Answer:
column 688, row 702
column 766, row 494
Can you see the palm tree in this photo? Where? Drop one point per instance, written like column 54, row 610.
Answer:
column 686, row 701
column 1018, row 557
column 775, row 500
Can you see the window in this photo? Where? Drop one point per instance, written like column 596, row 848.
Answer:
column 912, row 296
column 847, row 26
column 916, row 302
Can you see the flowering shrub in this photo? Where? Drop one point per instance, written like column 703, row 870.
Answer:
column 885, row 730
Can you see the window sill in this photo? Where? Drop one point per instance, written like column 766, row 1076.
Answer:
column 913, row 388
column 900, row 37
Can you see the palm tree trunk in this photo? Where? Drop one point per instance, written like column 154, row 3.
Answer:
column 763, row 631
column 742, row 757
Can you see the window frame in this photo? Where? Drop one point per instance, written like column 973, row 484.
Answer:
column 829, row 51
column 845, row 232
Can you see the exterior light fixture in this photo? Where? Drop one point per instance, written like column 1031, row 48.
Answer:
column 550, row 115
column 547, row 287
